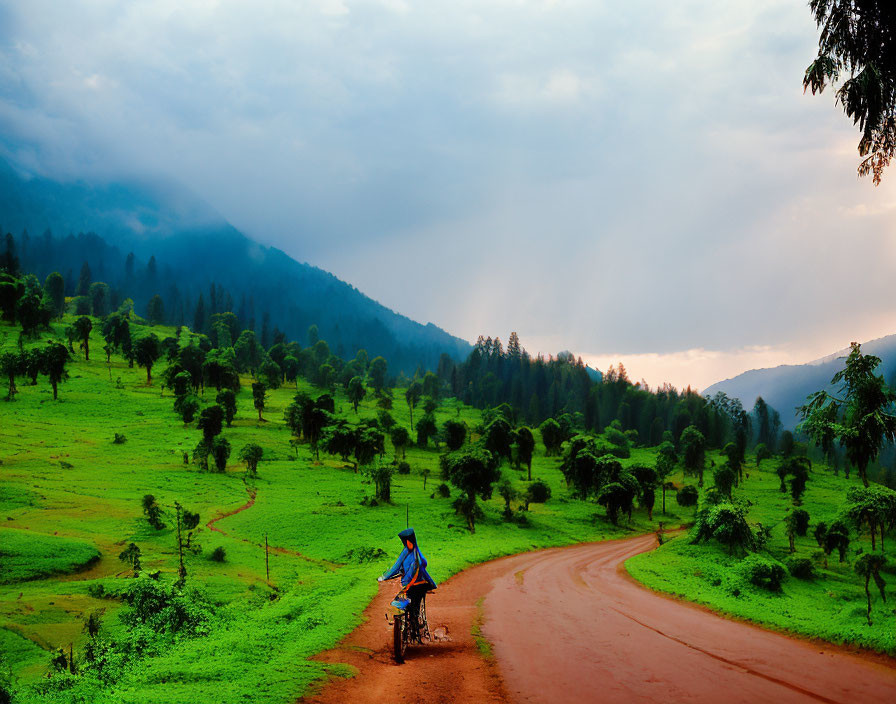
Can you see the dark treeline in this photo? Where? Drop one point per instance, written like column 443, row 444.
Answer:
column 547, row 387
column 270, row 294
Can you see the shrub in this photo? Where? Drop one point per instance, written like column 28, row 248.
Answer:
column 800, row 567
column 219, row 554
column 800, row 521
column 727, row 524
column 763, row 573
column 687, row 496
column 164, row 607
column 443, row 491
column 537, row 492
column 404, row 468
column 119, row 439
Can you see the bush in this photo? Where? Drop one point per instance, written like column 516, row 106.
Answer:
column 537, row 492
column 443, row 491
column 763, row 573
column 164, row 607
column 219, row 554
column 404, row 468
column 800, row 567
column 687, row 496
column 726, row 523
column 800, row 521
column 119, row 439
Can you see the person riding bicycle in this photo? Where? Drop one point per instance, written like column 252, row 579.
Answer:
column 415, row 580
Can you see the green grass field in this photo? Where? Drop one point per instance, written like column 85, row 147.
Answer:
column 830, row 606
column 69, row 493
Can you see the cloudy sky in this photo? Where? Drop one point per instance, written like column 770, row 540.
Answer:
column 641, row 181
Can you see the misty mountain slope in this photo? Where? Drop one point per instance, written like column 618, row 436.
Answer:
column 787, row 386
column 194, row 248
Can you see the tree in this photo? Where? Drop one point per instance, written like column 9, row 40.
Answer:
column 380, row 473
column 551, row 436
column 526, row 447
column 787, row 444
column 693, row 450
column 84, row 280
column 412, row 396
column 153, row 512
column 732, row 453
column 687, row 496
column 211, row 422
column 726, row 523
column 873, row 507
column 220, row 451
column 55, row 357
column 473, row 470
column 666, row 459
column 82, row 328
column 249, row 354
column 54, row 287
column 186, row 406
column 147, row 350
column 834, row 537
column 99, row 295
column 796, row 523
column 258, row 398
column 131, row 556
column 251, row 454
column 724, row 479
column 340, row 439
column 356, row 392
column 647, row 482
column 377, row 374
column 155, row 310
column 226, row 399
column 455, row 434
column 507, row 492
column 290, row 369
column 369, row 443
column 859, row 417
column 869, row 567
column 762, row 453
column 498, row 437
column 426, row 429
column 857, row 39
column 10, row 367
column 538, row 492
column 618, row 496
column 400, row 438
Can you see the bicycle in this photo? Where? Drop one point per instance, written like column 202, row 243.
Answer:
column 407, row 629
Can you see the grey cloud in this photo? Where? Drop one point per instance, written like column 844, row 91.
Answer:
column 637, row 177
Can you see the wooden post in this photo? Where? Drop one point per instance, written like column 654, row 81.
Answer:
column 407, row 515
column 267, row 569
column 71, row 658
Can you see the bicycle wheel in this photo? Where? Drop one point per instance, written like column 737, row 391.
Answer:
column 399, row 642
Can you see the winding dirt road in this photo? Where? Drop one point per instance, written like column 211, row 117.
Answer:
column 569, row 625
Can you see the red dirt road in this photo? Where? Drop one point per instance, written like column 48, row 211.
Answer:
column 569, row 625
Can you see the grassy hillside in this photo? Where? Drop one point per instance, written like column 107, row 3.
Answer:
column 68, row 494
column 68, row 490
column 830, row 605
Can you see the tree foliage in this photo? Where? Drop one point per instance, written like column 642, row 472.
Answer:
column 857, row 41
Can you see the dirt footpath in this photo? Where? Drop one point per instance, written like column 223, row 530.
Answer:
column 569, row 625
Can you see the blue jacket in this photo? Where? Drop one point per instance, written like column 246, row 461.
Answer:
column 411, row 564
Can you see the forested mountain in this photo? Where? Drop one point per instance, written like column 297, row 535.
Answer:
column 150, row 240
column 787, row 386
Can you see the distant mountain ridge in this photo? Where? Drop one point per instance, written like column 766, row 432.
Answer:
column 194, row 247
column 786, row 387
